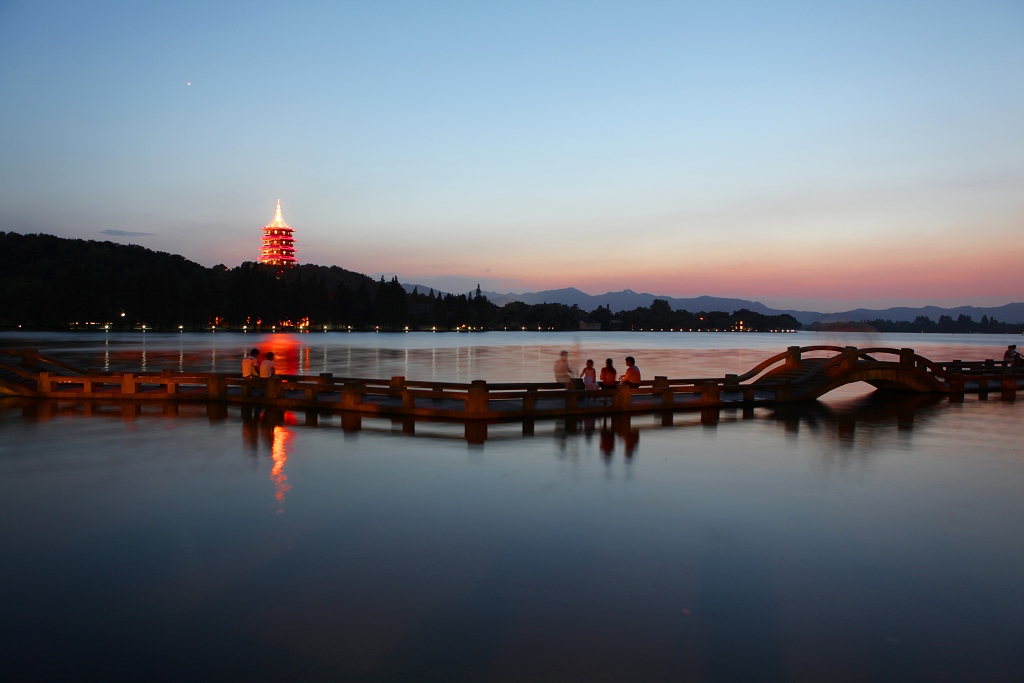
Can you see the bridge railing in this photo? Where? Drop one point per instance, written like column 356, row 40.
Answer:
column 480, row 397
column 476, row 397
column 791, row 356
column 32, row 360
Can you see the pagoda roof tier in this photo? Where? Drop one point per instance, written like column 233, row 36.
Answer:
column 278, row 221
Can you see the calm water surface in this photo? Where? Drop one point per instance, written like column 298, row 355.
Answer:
column 859, row 538
column 493, row 356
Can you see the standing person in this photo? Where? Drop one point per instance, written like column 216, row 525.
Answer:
column 563, row 373
column 632, row 376
column 251, row 364
column 267, row 366
column 608, row 375
column 589, row 375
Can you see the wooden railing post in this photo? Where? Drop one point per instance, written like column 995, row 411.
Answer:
column 849, row 357
column 623, row 397
column 43, row 383
column 170, row 386
column 215, row 387
column 667, row 395
column 476, row 402
column 351, row 396
column 127, row 384
column 794, row 355
column 326, row 378
column 273, row 388
column 530, row 400
column 711, row 392
column 398, row 382
column 907, row 358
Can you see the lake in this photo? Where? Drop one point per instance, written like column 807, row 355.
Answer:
column 861, row 537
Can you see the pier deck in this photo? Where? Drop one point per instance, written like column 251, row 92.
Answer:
column 787, row 377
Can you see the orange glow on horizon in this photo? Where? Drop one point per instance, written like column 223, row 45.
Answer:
column 896, row 270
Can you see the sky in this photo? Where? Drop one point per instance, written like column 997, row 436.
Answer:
column 819, row 156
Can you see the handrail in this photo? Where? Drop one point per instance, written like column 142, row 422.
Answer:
column 797, row 380
column 24, row 353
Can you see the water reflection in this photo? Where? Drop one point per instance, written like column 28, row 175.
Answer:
column 669, row 542
column 876, row 411
column 267, row 428
column 860, row 422
column 279, row 437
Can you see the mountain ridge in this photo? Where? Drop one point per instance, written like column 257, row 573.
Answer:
column 628, row 299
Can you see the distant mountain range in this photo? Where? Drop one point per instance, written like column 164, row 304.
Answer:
column 627, row 300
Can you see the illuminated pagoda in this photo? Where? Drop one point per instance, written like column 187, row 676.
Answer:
column 278, row 248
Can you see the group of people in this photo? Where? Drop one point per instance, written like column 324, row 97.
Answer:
column 565, row 374
column 1011, row 357
column 253, row 367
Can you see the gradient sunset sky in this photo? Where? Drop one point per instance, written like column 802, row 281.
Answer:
column 808, row 155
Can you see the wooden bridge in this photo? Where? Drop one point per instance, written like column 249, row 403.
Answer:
column 797, row 374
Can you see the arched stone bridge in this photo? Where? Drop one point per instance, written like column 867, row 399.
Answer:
column 809, row 377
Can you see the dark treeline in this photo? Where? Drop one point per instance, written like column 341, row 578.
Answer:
column 962, row 324
column 52, row 282
column 660, row 316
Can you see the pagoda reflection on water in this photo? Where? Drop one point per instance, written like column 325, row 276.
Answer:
column 278, row 247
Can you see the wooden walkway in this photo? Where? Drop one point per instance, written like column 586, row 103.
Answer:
column 788, row 377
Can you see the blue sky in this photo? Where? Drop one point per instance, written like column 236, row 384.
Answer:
column 824, row 155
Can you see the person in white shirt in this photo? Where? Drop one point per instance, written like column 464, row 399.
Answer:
column 267, row 366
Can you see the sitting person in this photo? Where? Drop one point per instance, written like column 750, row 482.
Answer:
column 251, row 364
column 632, row 376
column 563, row 373
column 589, row 375
column 1012, row 358
column 267, row 366
column 608, row 375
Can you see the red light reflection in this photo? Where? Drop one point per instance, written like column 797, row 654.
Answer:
column 279, row 453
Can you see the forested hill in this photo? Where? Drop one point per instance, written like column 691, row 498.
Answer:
column 48, row 281
column 51, row 282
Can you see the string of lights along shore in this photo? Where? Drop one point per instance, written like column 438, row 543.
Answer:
column 278, row 247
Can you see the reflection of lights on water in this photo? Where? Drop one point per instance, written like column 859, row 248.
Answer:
column 280, row 456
